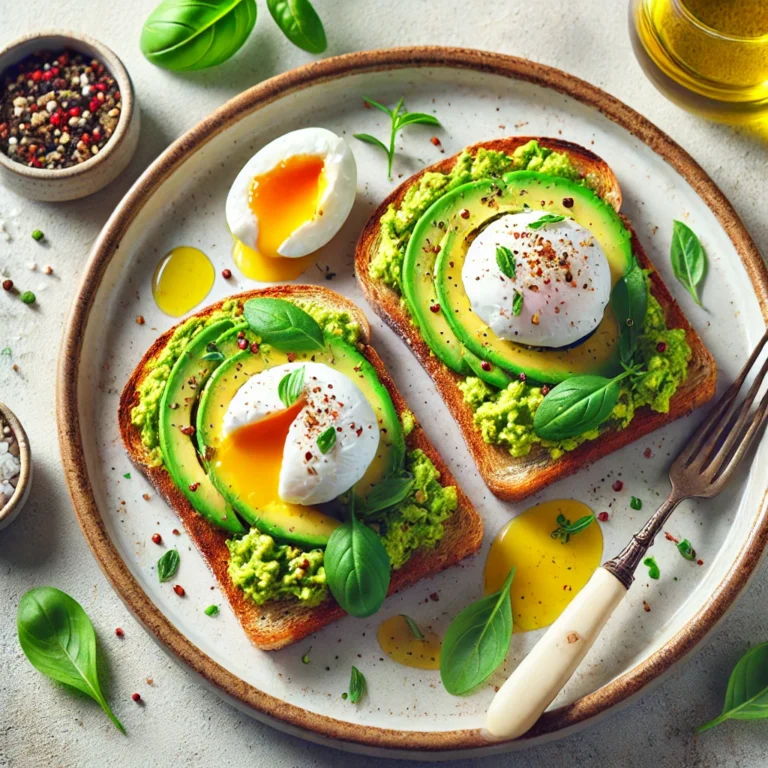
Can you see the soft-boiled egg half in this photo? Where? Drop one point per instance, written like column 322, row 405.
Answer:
column 288, row 201
column 271, row 452
column 557, row 290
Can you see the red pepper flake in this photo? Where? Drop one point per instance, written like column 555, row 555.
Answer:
column 567, row 202
column 435, row 308
column 255, row 348
column 603, row 517
column 646, row 607
column 618, row 486
column 522, row 376
column 436, row 141
column 194, row 487
column 669, row 537
column 434, row 597
column 137, row 698
column 485, row 365
column 226, row 273
column 7, row 285
column 464, row 213
column 291, row 357
column 308, row 455
column 699, row 562
column 187, row 429
column 242, row 343
column 119, row 632
column 157, row 538
column 241, row 334
column 176, row 532
column 179, row 590
column 661, row 347
column 648, row 453
column 140, row 320
column 545, row 390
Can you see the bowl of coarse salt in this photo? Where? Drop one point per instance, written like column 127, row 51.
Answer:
column 15, row 467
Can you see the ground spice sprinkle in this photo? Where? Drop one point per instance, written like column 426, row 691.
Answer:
column 57, row 109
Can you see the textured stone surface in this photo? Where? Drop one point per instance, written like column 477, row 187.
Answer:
column 40, row 724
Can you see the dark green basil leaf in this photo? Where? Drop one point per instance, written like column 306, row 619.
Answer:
column 213, row 355
column 327, row 439
column 390, row 491
column 653, row 567
column 57, row 637
column 747, row 694
column 686, row 550
column 517, row 303
column 300, row 24
column 689, row 260
column 195, row 34
column 547, row 218
column 283, row 325
column 629, row 300
column 575, row 406
column 505, row 261
column 477, row 641
column 168, row 564
column 357, row 686
column 413, row 626
column 291, row 386
column 357, row 568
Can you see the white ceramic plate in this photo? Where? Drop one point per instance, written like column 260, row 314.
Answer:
column 180, row 201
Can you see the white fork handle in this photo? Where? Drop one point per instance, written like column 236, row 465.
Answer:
column 541, row 675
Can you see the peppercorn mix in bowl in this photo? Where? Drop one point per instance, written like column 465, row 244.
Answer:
column 69, row 123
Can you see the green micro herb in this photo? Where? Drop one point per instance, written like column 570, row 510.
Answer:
column 477, row 641
column 629, row 300
column 653, row 568
column 28, row 297
column 326, row 440
column 390, row 491
column 689, row 259
column 686, row 550
column 300, row 24
column 283, row 325
column 212, row 610
column 565, row 528
column 57, row 637
column 505, row 261
column 517, row 303
column 413, row 626
column 212, row 352
column 127, row 475
column 291, row 386
column 357, row 685
column 345, row 695
column 38, row 235
column 7, row 351
column 399, row 120
column 305, row 658
column 168, row 564
column 747, row 695
column 547, row 218
column 635, row 503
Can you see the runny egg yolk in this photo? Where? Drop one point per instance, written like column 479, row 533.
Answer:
column 549, row 572
column 282, row 200
column 182, row 280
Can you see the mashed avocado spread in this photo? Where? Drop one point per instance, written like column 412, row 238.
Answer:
column 506, row 417
column 398, row 223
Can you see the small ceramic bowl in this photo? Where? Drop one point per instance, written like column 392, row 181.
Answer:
column 13, row 506
column 95, row 173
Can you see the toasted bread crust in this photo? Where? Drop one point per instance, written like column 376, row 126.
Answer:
column 281, row 623
column 507, row 477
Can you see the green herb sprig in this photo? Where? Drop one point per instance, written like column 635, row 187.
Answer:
column 505, row 261
column 291, row 386
column 212, row 352
column 565, row 528
column 326, row 440
column 168, row 564
column 547, row 218
column 654, row 572
column 399, row 120
column 357, row 686
column 517, row 303
column 689, row 259
column 686, row 550
column 413, row 626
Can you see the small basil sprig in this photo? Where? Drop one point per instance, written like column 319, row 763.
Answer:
column 326, row 440
column 283, row 325
column 357, row 567
column 195, row 34
column 357, row 686
column 398, row 121
column 629, row 300
column 565, row 528
column 577, row 405
column 168, row 564
column 547, row 218
column 517, row 303
column 300, row 24
column 212, row 352
column 689, row 259
column 291, row 386
column 506, row 261
column 654, row 572
column 390, row 491
column 57, row 637
column 747, row 694
column 413, row 626
column 477, row 641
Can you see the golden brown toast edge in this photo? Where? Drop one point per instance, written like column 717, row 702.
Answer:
column 278, row 624
column 507, row 477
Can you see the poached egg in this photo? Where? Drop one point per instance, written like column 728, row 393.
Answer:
column 560, row 271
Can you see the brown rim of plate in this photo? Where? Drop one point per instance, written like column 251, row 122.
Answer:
column 268, row 708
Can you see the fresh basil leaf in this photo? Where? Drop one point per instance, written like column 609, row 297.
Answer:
column 326, row 439
column 629, row 300
column 283, row 325
column 689, row 259
column 357, row 568
column 168, row 564
column 547, row 218
column 357, row 686
column 506, row 261
column 517, row 304
column 686, row 550
column 477, row 641
column 300, row 24
column 747, row 694
column 291, row 386
column 390, row 491
column 575, row 406
column 196, row 34
column 57, row 637
column 413, row 626
column 654, row 572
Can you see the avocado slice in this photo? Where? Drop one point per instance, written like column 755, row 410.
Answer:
column 466, row 209
column 306, row 526
column 177, row 410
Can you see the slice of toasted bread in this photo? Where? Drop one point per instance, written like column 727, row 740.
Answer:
column 516, row 478
column 280, row 623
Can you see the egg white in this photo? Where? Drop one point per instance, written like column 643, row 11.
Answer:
column 555, row 312
column 334, row 206
column 332, row 399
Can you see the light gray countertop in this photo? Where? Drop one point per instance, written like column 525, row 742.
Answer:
column 43, row 725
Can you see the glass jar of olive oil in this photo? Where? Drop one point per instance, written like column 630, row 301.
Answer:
column 709, row 56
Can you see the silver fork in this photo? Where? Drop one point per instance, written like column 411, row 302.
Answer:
column 701, row 469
